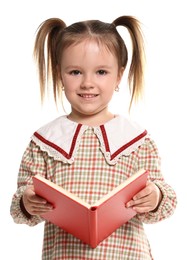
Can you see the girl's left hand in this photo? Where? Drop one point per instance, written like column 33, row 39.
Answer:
column 147, row 199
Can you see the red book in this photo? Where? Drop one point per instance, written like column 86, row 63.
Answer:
column 90, row 223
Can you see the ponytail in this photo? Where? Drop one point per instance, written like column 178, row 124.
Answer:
column 46, row 43
column 136, row 70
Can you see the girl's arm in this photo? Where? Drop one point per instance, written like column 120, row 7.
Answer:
column 158, row 200
column 24, row 199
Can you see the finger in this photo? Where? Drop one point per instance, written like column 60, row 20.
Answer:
column 42, row 206
column 37, row 199
column 144, row 192
column 37, row 209
column 142, row 201
column 143, row 206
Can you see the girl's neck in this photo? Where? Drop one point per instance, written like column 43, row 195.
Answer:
column 91, row 120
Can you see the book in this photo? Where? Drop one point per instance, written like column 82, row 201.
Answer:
column 90, row 223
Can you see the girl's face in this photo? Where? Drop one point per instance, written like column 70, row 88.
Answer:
column 90, row 75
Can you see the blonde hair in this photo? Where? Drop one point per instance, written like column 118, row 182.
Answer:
column 53, row 37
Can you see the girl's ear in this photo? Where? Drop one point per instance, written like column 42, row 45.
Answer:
column 60, row 75
column 120, row 74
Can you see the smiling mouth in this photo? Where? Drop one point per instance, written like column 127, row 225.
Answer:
column 88, row 95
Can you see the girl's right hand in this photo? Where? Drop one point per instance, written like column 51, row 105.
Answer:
column 34, row 204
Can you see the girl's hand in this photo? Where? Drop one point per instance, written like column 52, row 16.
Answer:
column 147, row 199
column 35, row 205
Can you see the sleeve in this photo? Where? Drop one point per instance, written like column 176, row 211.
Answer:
column 148, row 158
column 32, row 163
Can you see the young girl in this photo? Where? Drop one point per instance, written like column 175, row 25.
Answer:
column 91, row 150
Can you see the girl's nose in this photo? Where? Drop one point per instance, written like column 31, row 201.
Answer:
column 87, row 82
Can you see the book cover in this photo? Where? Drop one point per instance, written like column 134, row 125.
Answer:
column 90, row 223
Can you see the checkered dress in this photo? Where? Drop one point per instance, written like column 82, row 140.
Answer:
column 90, row 174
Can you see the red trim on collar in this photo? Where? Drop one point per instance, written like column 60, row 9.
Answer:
column 107, row 147
column 56, row 147
column 122, row 148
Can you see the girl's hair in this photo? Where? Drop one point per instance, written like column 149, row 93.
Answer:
column 53, row 37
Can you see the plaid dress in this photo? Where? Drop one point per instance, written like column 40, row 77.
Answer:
column 90, row 162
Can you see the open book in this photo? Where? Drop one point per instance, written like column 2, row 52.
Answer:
column 90, row 223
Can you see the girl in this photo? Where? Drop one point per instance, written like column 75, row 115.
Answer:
column 91, row 150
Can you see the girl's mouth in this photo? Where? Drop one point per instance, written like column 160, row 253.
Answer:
column 88, row 95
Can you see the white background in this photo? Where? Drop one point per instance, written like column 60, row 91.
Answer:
column 162, row 112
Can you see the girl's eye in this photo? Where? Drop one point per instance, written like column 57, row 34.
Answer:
column 75, row 72
column 102, row 72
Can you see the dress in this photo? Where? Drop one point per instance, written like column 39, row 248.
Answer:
column 89, row 162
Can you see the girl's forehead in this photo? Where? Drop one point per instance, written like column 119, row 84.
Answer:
column 88, row 52
column 92, row 44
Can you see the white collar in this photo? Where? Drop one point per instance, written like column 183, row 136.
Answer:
column 61, row 137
